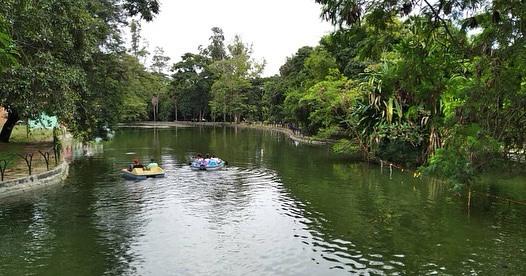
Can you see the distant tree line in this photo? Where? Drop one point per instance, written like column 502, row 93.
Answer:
column 220, row 82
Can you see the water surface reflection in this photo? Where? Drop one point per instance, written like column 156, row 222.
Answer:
column 279, row 209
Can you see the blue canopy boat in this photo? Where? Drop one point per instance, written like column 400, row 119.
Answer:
column 212, row 164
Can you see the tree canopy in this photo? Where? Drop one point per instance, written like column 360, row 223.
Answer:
column 62, row 47
column 442, row 80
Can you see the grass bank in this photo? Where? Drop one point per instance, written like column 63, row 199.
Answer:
column 22, row 135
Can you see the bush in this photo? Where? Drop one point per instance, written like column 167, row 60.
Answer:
column 467, row 152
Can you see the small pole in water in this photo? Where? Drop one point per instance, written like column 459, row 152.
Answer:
column 390, row 171
column 382, row 166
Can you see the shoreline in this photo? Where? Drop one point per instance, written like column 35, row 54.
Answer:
column 23, row 185
column 268, row 127
column 41, row 177
column 297, row 138
column 183, row 124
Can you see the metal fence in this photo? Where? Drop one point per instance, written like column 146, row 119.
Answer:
column 47, row 155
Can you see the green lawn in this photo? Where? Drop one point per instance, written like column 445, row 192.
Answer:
column 20, row 135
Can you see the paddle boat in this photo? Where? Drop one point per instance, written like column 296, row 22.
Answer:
column 209, row 164
column 143, row 173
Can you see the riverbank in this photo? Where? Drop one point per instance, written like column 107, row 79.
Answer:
column 29, row 150
column 34, row 182
column 12, row 158
column 291, row 134
column 31, row 164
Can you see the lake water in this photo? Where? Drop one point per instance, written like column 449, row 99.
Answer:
column 277, row 209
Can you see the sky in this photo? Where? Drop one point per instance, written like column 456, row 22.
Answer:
column 275, row 28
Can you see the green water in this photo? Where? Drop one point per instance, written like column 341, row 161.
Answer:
column 278, row 209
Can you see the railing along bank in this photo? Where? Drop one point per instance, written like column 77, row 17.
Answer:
column 29, row 157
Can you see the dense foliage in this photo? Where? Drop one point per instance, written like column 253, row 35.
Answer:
column 65, row 58
column 437, row 84
column 218, row 82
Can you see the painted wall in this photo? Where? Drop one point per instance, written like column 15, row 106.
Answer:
column 44, row 121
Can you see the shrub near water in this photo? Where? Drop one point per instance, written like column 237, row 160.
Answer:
column 468, row 151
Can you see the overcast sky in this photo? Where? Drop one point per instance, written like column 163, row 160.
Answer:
column 276, row 28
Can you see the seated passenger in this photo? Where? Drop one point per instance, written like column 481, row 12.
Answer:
column 152, row 164
column 217, row 160
column 135, row 164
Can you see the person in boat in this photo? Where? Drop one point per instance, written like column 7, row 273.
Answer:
column 200, row 160
column 211, row 160
column 152, row 164
column 216, row 159
column 135, row 164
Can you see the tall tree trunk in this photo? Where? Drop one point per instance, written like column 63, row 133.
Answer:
column 12, row 118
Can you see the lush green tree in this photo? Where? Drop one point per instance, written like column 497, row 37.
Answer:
column 315, row 67
column 139, row 86
column 60, row 43
column 319, row 65
column 255, row 109
column 234, row 75
column 216, row 50
column 293, row 71
column 323, row 104
column 191, row 84
column 147, row 9
column 138, row 50
column 272, row 100
column 159, row 61
column 432, row 87
column 118, row 89
column 345, row 46
column 50, row 50
column 7, row 47
column 98, row 105
column 380, row 12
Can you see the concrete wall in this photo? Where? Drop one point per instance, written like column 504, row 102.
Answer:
column 34, row 182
